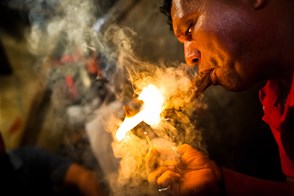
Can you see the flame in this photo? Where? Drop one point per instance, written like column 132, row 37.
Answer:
column 153, row 101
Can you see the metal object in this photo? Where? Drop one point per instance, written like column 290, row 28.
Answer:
column 162, row 189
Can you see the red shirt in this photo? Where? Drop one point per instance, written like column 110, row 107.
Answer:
column 280, row 118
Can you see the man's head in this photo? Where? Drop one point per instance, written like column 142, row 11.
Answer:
column 240, row 42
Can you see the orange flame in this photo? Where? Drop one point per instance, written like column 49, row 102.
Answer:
column 153, row 101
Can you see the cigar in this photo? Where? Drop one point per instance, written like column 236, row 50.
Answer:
column 202, row 81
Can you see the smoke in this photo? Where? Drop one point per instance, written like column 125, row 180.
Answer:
column 174, row 81
column 70, row 54
column 179, row 116
column 65, row 28
column 60, row 23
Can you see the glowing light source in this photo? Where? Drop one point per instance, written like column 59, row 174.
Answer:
column 150, row 112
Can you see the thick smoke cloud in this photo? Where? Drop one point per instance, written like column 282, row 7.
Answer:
column 179, row 116
column 65, row 27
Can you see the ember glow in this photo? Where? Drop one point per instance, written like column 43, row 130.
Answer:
column 150, row 113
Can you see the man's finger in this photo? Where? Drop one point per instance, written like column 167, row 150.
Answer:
column 152, row 160
column 184, row 148
column 152, row 178
column 167, row 163
column 168, row 178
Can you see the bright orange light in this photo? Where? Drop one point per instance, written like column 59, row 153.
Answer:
column 150, row 113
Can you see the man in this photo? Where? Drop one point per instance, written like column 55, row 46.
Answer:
column 239, row 43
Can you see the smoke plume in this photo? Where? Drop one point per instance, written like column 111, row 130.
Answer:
column 65, row 28
column 179, row 116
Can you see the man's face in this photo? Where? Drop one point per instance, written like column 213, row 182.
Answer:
column 223, row 38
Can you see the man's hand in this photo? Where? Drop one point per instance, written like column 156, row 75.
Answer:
column 194, row 174
column 83, row 179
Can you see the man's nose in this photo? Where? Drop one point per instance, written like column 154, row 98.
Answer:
column 192, row 54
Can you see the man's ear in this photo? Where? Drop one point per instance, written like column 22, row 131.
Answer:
column 258, row 4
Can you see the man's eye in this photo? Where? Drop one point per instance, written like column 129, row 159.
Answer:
column 189, row 31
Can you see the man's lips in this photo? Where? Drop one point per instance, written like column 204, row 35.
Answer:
column 212, row 73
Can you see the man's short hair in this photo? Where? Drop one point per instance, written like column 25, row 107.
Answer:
column 165, row 8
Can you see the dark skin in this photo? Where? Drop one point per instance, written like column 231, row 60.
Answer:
column 194, row 174
column 224, row 38
column 239, row 43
